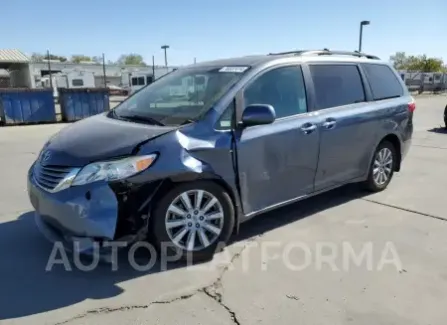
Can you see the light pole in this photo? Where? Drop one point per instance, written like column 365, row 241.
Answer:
column 362, row 23
column 165, row 47
column 104, row 70
column 49, row 69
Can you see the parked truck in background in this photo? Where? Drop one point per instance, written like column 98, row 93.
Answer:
column 140, row 80
column 71, row 79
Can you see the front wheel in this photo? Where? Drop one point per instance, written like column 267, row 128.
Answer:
column 382, row 167
column 193, row 220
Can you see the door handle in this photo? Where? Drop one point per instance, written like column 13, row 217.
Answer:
column 329, row 124
column 308, row 128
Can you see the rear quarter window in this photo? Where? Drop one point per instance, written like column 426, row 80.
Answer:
column 383, row 81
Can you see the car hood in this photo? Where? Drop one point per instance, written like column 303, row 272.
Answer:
column 97, row 138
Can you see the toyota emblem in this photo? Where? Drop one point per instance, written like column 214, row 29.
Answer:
column 46, row 156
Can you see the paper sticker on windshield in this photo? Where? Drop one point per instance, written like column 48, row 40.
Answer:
column 233, row 69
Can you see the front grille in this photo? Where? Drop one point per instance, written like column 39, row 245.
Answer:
column 48, row 177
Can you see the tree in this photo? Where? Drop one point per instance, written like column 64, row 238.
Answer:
column 131, row 59
column 58, row 57
column 97, row 59
column 399, row 60
column 417, row 63
column 76, row 58
column 429, row 64
column 37, row 57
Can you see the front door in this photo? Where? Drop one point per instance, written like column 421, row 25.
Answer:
column 348, row 123
column 277, row 162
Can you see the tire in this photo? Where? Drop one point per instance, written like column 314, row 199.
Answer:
column 373, row 183
column 445, row 117
column 164, row 238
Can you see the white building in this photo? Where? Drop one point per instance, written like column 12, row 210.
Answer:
column 25, row 73
column 16, row 65
column 117, row 75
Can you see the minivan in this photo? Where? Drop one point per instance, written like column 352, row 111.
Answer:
column 262, row 132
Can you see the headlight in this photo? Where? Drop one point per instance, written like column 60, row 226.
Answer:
column 113, row 170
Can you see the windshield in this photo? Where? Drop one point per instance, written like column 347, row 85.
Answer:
column 180, row 97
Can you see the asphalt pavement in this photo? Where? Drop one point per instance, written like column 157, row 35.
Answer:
column 345, row 257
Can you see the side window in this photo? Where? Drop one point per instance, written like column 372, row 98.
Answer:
column 283, row 88
column 383, row 81
column 337, row 85
column 77, row 82
column 225, row 119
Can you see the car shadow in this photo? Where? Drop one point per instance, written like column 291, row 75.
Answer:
column 27, row 288
column 297, row 211
column 441, row 130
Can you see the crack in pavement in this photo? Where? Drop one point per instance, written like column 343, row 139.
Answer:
column 216, row 296
column 212, row 291
column 215, row 290
column 293, row 297
column 406, row 209
column 108, row 310
column 427, row 146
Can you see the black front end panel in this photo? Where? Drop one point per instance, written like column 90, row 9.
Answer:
column 134, row 204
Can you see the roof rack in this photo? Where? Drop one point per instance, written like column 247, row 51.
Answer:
column 328, row 52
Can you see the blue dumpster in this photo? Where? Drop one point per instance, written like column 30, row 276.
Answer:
column 79, row 103
column 24, row 105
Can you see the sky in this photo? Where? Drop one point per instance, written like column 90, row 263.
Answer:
column 211, row 29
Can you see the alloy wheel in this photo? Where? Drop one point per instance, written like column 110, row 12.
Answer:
column 194, row 220
column 383, row 164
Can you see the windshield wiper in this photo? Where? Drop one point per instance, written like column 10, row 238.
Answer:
column 139, row 118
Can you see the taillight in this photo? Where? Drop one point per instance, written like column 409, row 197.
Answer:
column 411, row 106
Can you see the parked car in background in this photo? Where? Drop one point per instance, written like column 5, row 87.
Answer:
column 267, row 131
column 117, row 91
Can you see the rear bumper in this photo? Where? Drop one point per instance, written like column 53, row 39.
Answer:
column 405, row 148
column 406, row 138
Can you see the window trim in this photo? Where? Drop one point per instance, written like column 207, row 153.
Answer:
column 240, row 102
column 365, row 85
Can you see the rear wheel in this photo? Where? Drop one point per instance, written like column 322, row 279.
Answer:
column 193, row 220
column 382, row 167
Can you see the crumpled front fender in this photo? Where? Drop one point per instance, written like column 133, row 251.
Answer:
column 190, row 154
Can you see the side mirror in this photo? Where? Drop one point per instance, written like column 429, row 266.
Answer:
column 258, row 114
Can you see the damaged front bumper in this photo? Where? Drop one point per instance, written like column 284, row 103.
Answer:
column 87, row 219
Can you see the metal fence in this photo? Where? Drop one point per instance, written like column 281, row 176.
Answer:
column 417, row 81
